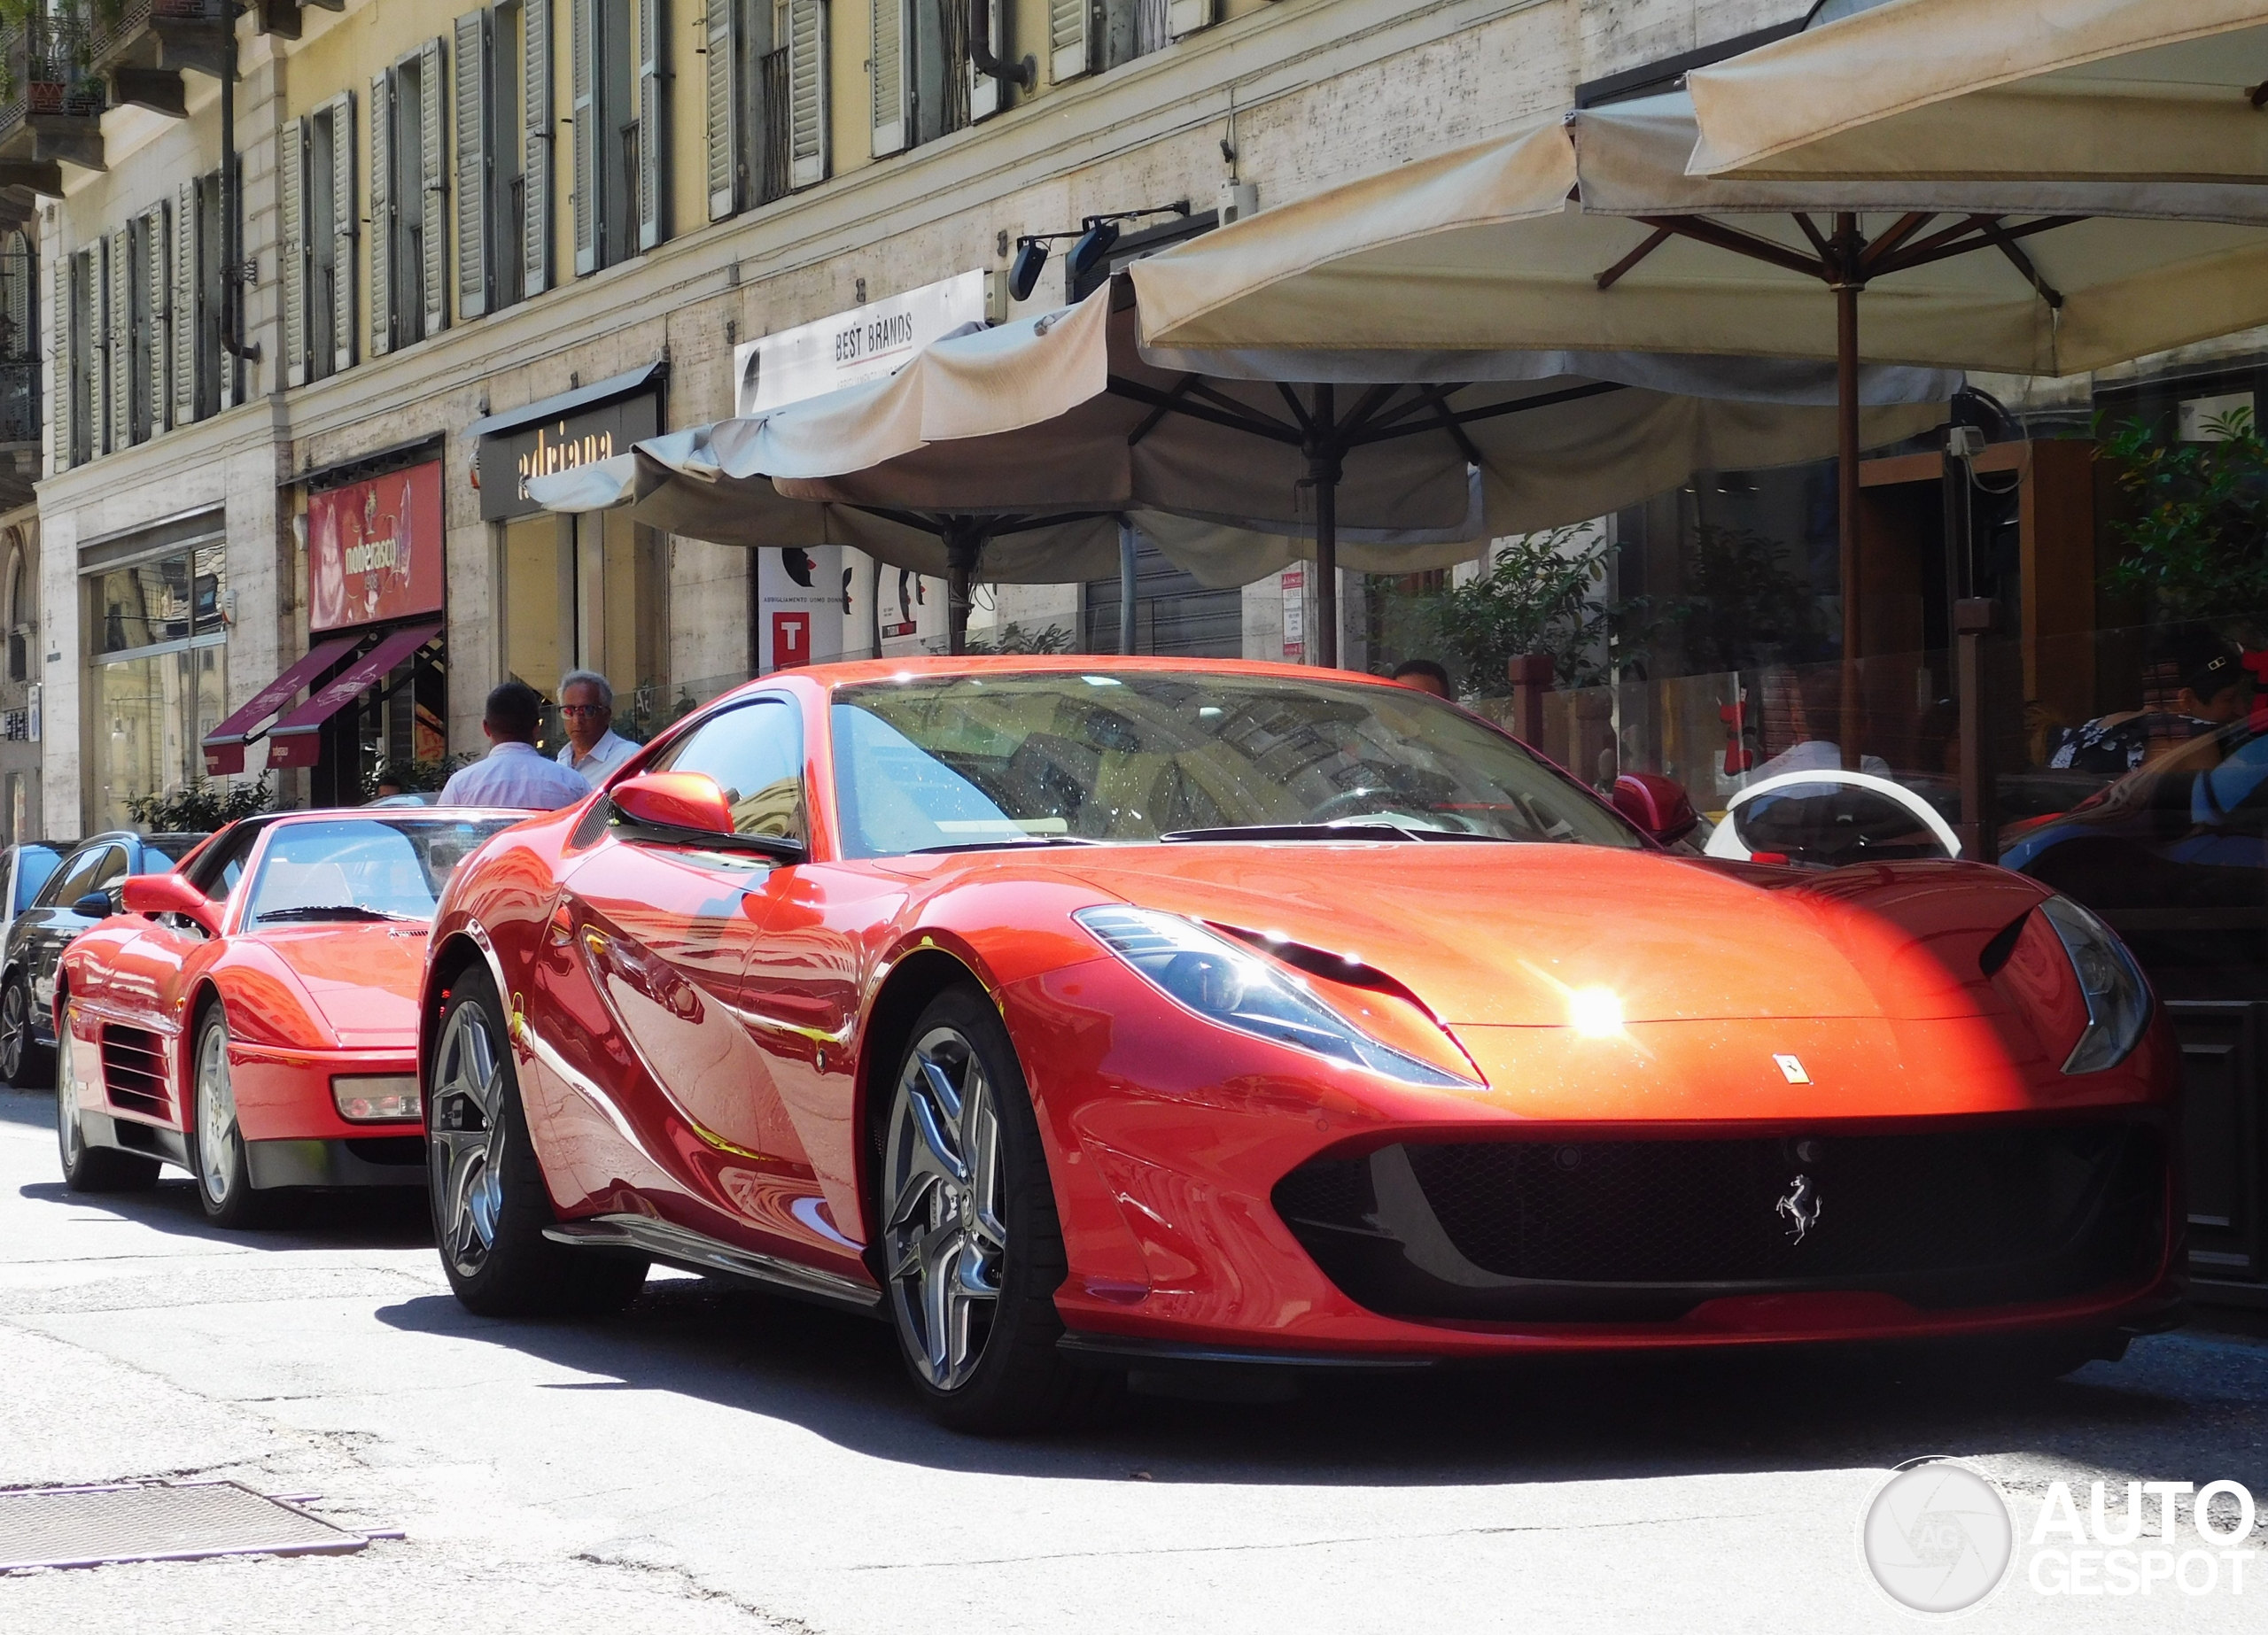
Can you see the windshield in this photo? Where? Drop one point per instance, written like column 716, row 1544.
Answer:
column 956, row 762
column 361, row 868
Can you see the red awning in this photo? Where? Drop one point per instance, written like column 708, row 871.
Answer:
column 224, row 745
column 293, row 740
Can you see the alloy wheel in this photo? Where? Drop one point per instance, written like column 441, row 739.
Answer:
column 467, row 1145
column 216, row 1116
column 67, row 1107
column 944, row 1240
column 15, row 1030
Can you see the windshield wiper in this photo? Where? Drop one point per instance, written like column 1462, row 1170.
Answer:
column 1364, row 831
column 332, row 910
column 1029, row 840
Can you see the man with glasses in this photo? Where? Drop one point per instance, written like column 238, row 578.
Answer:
column 586, row 707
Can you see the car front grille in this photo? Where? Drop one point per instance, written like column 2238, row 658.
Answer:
column 1645, row 1230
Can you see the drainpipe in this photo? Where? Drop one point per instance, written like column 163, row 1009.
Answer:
column 1022, row 74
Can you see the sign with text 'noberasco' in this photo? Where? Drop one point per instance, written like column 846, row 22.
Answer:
column 374, row 549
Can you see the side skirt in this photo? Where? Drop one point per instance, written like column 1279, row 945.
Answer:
column 99, row 1129
column 695, row 1252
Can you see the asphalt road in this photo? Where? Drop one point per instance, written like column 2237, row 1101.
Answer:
column 715, row 1461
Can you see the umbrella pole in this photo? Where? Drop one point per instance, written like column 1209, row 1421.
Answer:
column 1846, row 471
column 1126, row 546
column 961, row 573
column 1323, row 466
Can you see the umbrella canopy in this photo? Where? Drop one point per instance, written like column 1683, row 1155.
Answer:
column 1950, row 89
column 1049, row 422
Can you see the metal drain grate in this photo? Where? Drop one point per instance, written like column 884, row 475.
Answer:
column 157, row 1522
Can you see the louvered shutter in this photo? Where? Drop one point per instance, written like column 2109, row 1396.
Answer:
column 653, row 122
column 536, row 95
column 342, row 222
column 186, row 235
column 118, row 327
column 474, row 63
column 381, row 212
column 1069, row 53
column 291, row 193
column 807, row 92
column 722, row 34
column 60, row 398
column 434, row 183
column 886, row 74
column 984, row 91
column 157, row 265
column 583, row 24
column 1186, row 17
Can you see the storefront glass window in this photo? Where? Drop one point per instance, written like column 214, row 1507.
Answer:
column 159, row 676
column 588, row 592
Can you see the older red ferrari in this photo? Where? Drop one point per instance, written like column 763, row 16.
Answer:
column 1089, row 1014
column 251, row 1016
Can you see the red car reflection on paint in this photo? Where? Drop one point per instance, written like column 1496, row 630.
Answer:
column 1091, row 1015
column 251, row 1016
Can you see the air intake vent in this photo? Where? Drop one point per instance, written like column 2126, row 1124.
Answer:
column 133, row 1072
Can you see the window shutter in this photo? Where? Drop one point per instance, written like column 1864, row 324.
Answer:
column 60, row 398
column 985, row 95
column 1069, row 53
column 583, row 22
column 382, row 216
column 434, row 183
column 721, row 34
column 185, row 303
column 476, row 55
column 807, row 92
column 157, row 251
column 341, row 109
column 119, row 328
column 886, row 74
column 291, row 192
column 653, row 122
column 536, row 94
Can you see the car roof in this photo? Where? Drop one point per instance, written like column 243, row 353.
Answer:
column 857, row 670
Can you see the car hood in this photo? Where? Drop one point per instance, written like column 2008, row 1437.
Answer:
column 361, row 980
column 1490, row 935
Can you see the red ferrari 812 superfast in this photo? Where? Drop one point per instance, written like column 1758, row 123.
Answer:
column 1091, row 1015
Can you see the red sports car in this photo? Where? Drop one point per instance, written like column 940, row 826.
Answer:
column 1089, row 1014
column 253, row 1017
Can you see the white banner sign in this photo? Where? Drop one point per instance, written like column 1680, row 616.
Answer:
column 851, row 348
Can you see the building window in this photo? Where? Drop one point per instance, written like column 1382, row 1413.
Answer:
column 766, row 73
column 408, row 202
column 317, row 193
column 1089, row 36
column 621, row 183
column 78, row 294
column 19, row 356
column 159, row 676
column 23, row 609
column 492, row 231
column 202, row 384
column 588, row 592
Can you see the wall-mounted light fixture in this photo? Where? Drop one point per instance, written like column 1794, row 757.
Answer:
column 1096, row 234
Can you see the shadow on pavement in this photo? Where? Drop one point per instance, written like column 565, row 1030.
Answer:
column 2175, row 1402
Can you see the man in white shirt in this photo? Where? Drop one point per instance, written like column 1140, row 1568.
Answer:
column 515, row 771
column 594, row 748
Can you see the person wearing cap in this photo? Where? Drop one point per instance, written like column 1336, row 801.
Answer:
column 2195, row 682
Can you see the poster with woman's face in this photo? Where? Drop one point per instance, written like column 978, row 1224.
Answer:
column 374, row 549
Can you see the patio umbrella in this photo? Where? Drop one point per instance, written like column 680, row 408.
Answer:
column 1950, row 89
column 1059, row 416
column 1584, row 230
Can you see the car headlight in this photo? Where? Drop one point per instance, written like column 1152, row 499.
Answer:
column 1236, row 987
column 2118, row 1000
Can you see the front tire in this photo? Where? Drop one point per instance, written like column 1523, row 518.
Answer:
column 217, row 1155
column 86, row 1168
column 490, row 1203
column 972, row 1249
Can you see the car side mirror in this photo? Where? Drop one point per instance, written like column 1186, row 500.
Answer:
column 689, row 807
column 1658, row 805
column 94, row 905
column 171, row 893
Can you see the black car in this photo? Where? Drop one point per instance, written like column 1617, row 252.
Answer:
column 82, row 890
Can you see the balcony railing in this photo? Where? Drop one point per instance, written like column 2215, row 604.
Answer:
column 20, row 420
column 45, row 70
column 134, row 31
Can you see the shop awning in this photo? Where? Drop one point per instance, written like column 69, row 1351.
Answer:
column 294, row 740
column 224, row 745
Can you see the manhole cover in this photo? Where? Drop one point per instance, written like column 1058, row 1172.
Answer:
column 157, row 1522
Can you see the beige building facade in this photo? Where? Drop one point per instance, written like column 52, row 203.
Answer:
column 476, row 239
